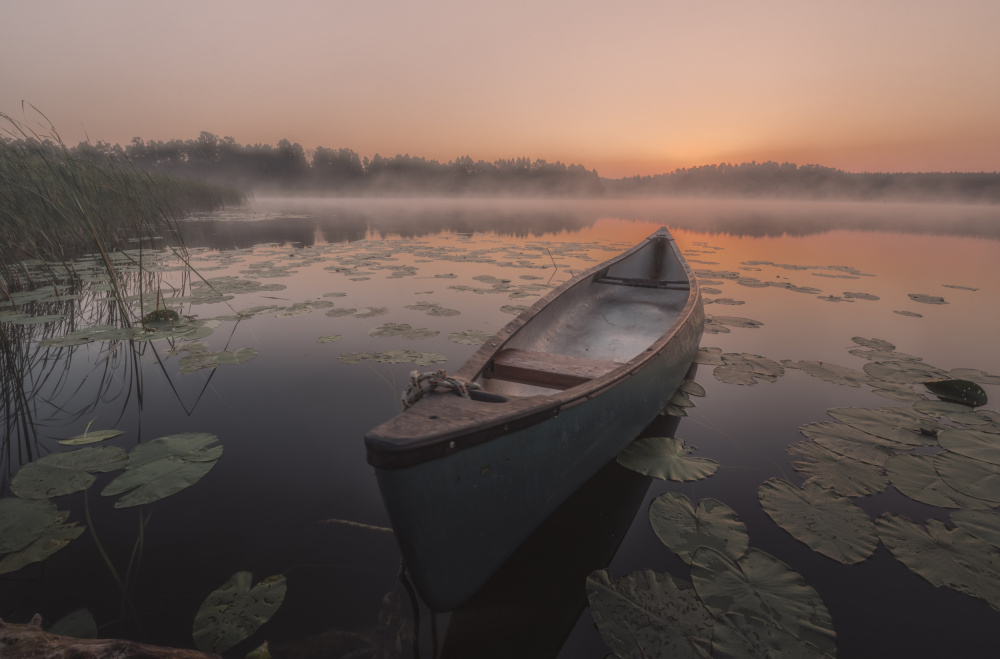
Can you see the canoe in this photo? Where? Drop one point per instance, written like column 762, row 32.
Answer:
column 563, row 388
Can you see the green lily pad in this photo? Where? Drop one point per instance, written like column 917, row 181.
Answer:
column 970, row 476
column 971, row 443
column 90, row 437
column 514, row 309
column 22, row 521
column 829, row 524
column 234, row 611
column 861, row 296
column 975, row 375
column 747, row 369
column 341, row 311
column 683, row 528
column 914, row 476
column 692, row 388
column 709, row 356
column 78, row 624
column 841, row 438
column 944, row 557
column 329, row 338
column 927, row 299
column 52, row 539
column 470, row 337
column 903, row 372
column 64, row 473
column 372, row 312
column 666, row 458
column 960, row 391
column 844, row 475
column 164, row 466
column 984, row 524
column 738, row 637
column 874, row 344
column 909, row 314
column 760, row 586
column 886, row 423
column 649, row 614
column 830, row 372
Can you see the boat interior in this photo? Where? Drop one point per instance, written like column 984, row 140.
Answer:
column 593, row 328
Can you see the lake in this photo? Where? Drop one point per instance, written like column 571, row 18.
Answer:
column 290, row 347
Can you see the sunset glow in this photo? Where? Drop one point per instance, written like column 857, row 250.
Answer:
column 624, row 88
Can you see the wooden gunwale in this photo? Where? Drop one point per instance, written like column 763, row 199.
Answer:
column 420, row 433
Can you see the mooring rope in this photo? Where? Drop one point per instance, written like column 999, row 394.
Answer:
column 422, row 384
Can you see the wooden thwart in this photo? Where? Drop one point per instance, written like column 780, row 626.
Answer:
column 682, row 285
column 543, row 369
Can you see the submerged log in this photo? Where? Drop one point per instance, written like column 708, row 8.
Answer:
column 32, row 642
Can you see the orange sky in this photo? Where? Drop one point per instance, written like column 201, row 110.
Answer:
column 622, row 87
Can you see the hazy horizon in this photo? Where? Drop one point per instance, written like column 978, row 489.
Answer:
column 627, row 89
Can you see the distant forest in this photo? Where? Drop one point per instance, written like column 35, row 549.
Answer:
column 287, row 167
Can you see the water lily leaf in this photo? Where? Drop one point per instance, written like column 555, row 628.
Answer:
column 971, row 443
column 984, row 524
column 647, row 615
column 895, row 391
column 844, row 475
column 709, row 356
column 164, row 466
column 970, row 476
column 470, row 337
column 903, row 372
column 975, row 375
column 54, row 538
column 721, row 324
column 329, row 338
column 861, row 296
column 78, row 624
column 744, row 368
column 90, row 437
column 960, row 391
column 944, row 557
column 683, row 528
column 760, row 586
column 927, row 299
column 981, row 420
column 372, row 312
column 234, row 611
column 884, row 355
column 829, row 524
column 874, row 344
column 885, row 423
column 514, row 309
column 22, row 521
column 915, row 477
column 666, row 458
column 341, row 311
column 64, row 473
column 830, row 372
column 692, row 388
column 832, row 430
column 738, row 637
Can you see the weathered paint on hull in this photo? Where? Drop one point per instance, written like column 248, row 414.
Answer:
column 457, row 519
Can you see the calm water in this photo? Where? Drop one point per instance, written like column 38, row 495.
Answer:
column 291, row 420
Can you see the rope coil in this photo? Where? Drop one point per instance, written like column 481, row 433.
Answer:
column 422, row 384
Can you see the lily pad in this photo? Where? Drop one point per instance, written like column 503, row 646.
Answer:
column 647, row 615
column 909, row 314
column 960, row 391
column 78, row 624
column 975, row 375
column 329, row 338
column 666, row 458
column 972, row 443
column 164, row 466
column 469, row 337
column 683, row 528
column 903, row 372
column 52, row 539
column 234, row 611
column 22, row 521
column 927, row 299
column 844, row 475
column 944, row 557
column 709, row 356
column 830, row 372
column 90, row 437
column 64, row 473
column 915, row 477
column 886, row 423
column 984, row 524
column 823, row 432
column 970, row 476
column 747, row 369
column 692, row 388
column 738, row 637
column 829, row 524
column 760, row 586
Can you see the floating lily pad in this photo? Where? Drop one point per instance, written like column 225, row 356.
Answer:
column 739, row 637
column 22, row 521
column 827, row 523
column 666, row 458
column 709, row 356
column 760, row 586
column 984, row 524
column 51, row 540
column 944, row 557
column 972, row 443
column 970, row 476
column 884, row 355
column 927, row 299
column 886, row 423
column 914, row 476
column 234, row 611
column 90, row 437
column 683, row 528
column 904, row 372
column 830, row 372
column 164, row 466
column 433, row 309
column 469, row 337
column 199, row 360
column 965, row 392
column 744, row 368
column 874, row 344
column 861, row 296
column 372, row 312
column 78, row 624
column 692, row 388
column 329, row 338
column 827, row 430
column 341, row 311
column 909, row 314
column 649, row 614
column 393, row 357
column 64, row 473
column 721, row 324
column 975, row 375
column 842, row 474
column 514, row 309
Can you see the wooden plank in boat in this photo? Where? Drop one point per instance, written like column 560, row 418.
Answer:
column 543, row 369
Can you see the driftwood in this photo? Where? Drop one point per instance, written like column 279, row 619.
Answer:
column 32, row 642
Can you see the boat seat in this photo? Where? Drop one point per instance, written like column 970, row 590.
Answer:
column 646, row 283
column 543, row 369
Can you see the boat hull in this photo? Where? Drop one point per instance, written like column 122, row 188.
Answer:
column 458, row 517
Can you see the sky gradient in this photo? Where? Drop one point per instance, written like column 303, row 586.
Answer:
column 625, row 88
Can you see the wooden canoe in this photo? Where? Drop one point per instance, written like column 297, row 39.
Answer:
column 565, row 386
